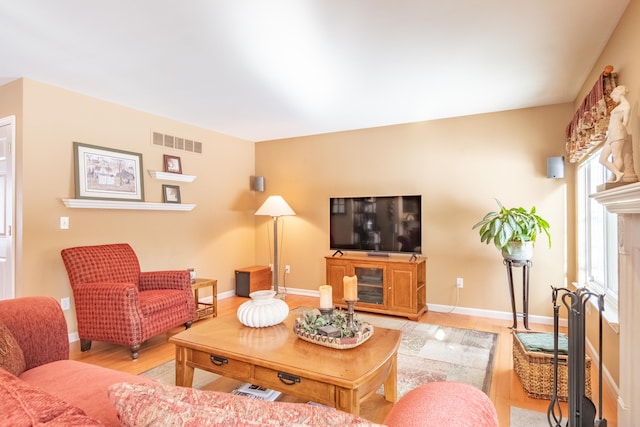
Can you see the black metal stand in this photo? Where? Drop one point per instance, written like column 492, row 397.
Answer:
column 526, row 266
column 582, row 411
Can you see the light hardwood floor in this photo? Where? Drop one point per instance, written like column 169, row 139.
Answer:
column 506, row 389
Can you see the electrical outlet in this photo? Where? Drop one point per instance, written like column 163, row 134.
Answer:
column 460, row 282
column 287, row 269
column 65, row 303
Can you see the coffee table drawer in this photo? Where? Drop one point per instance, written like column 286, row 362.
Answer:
column 221, row 365
column 292, row 384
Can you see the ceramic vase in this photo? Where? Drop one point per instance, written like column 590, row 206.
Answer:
column 262, row 310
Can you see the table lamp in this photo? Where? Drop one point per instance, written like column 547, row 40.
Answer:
column 275, row 206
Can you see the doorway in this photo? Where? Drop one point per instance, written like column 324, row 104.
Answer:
column 7, row 164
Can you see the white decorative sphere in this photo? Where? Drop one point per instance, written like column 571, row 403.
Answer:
column 262, row 310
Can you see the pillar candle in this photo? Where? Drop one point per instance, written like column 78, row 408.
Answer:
column 350, row 290
column 326, row 297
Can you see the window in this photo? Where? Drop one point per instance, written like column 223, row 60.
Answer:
column 597, row 236
column 338, row 207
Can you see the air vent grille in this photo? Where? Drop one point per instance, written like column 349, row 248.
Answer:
column 175, row 142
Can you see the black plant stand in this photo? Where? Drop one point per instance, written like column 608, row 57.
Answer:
column 526, row 266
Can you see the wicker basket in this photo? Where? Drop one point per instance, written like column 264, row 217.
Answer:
column 535, row 371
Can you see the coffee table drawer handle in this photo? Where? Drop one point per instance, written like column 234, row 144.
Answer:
column 288, row 379
column 219, row 361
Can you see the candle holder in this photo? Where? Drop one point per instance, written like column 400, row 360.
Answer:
column 351, row 322
column 326, row 313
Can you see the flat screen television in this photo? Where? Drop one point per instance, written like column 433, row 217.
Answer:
column 380, row 225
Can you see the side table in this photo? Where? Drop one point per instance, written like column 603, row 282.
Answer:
column 204, row 309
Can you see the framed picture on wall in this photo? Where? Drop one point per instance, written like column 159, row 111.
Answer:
column 171, row 193
column 107, row 173
column 172, row 164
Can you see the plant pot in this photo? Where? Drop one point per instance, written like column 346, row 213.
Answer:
column 520, row 251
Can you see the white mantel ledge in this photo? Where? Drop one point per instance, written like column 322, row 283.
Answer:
column 123, row 204
column 620, row 200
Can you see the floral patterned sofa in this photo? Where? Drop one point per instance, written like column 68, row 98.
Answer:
column 39, row 385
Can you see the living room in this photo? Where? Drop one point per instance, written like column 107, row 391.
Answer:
column 458, row 165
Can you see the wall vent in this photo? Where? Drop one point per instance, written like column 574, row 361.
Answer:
column 169, row 141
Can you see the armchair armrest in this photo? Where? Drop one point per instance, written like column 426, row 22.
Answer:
column 106, row 298
column 169, row 279
column 107, row 305
column 39, row 327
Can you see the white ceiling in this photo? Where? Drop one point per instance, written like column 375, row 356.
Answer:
column 269, row 69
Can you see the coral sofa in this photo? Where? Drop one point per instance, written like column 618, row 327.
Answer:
column 40, row 386
column 38, row 382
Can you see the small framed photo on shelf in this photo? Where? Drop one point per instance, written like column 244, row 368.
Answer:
column 171, row 193
column 172, row 164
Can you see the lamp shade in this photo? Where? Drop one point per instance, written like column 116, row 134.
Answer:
column 275, row 206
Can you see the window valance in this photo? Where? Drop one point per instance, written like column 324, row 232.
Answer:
column 588, row 128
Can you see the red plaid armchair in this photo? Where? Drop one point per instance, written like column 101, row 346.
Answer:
column 116, row 302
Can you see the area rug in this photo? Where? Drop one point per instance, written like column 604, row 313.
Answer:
column 526, row 418
column 439, row 353
column 427, row 353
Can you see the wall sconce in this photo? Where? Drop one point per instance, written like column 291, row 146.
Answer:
column 258, row 183
column 555, row 167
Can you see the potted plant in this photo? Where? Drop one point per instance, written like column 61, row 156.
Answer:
column 513, row 231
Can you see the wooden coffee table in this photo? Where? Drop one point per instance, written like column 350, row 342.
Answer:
column 276, row 358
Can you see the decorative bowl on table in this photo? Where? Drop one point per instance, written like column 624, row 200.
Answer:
column 313, row 326
column 262, row 310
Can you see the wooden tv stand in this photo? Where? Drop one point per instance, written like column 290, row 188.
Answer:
column 385, row 285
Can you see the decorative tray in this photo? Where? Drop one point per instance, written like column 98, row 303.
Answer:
column 365, row 332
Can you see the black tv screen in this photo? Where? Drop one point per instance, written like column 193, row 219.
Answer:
column 391, row 224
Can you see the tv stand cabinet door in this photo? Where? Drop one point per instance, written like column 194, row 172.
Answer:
column 336, row 270
column 402, row 289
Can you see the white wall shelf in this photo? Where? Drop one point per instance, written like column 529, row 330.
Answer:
column 120, row 204
column 168, row 176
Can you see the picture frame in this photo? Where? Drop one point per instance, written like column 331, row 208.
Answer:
column 172, row 164
column 171, row 193
column 107, row 173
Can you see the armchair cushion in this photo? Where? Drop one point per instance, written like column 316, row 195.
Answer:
column 157, row 301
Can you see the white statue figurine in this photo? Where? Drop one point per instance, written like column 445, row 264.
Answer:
column 616, row 134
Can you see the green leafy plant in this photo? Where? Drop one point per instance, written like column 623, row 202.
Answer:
column 312, row 320
column 512, row 225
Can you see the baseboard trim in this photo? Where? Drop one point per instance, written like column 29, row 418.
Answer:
column 492, row 314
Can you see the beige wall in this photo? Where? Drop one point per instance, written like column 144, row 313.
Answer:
column 215, row 238
column 459, row 166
